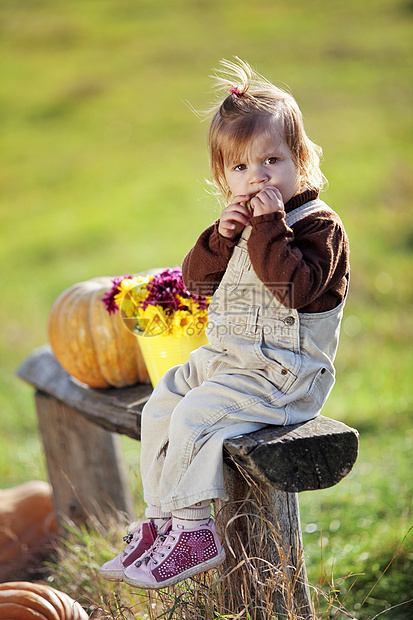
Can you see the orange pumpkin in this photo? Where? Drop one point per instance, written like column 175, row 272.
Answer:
column 23, row 600
column 28, row 526
column 90, row 344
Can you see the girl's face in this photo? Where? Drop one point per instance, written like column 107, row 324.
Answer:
column 268, row 162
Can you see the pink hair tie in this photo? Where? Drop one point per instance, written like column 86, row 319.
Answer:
column 235, row 91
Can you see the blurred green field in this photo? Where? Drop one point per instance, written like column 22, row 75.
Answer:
column 103, row 169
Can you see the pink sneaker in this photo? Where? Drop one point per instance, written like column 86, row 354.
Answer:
column 138, row 541
column 175, row 556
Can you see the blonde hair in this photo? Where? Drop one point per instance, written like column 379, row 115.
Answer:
column 250, row 107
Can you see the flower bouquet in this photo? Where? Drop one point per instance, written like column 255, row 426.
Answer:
column 168, row 320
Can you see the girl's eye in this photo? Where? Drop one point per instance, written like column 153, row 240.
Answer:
column 272, row 160
column 240, row 167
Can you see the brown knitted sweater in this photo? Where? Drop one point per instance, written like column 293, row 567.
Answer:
column 305, row 267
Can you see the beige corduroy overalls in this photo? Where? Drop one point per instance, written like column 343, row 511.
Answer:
column 265, row 364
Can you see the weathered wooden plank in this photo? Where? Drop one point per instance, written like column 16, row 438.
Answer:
column 116, row 409
column 300, row 457
column 294, row 458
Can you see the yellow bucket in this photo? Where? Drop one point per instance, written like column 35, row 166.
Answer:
column 161, row 353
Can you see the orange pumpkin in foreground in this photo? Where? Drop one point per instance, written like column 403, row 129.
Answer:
column 23, row 600
column 90, row 344
column 28, row 527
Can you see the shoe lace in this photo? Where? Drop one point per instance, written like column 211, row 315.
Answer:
column 162, row 541
column 131, row 536
column 128, row 538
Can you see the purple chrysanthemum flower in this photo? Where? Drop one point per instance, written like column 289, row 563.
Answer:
column 109, row 297
column 201, row 301
column 166, row 289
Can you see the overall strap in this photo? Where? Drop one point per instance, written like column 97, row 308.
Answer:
column 298, row 214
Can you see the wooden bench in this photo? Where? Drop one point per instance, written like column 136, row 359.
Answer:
column 80, row 429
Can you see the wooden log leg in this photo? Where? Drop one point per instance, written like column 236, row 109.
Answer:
column 264, row 569
column 85, row 464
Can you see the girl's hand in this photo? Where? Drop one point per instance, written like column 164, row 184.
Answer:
column 234, row 218
column 268, row 200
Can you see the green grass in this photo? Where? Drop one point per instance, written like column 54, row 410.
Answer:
column 102, row 172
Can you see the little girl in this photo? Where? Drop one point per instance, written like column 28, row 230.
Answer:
column 277, row 265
